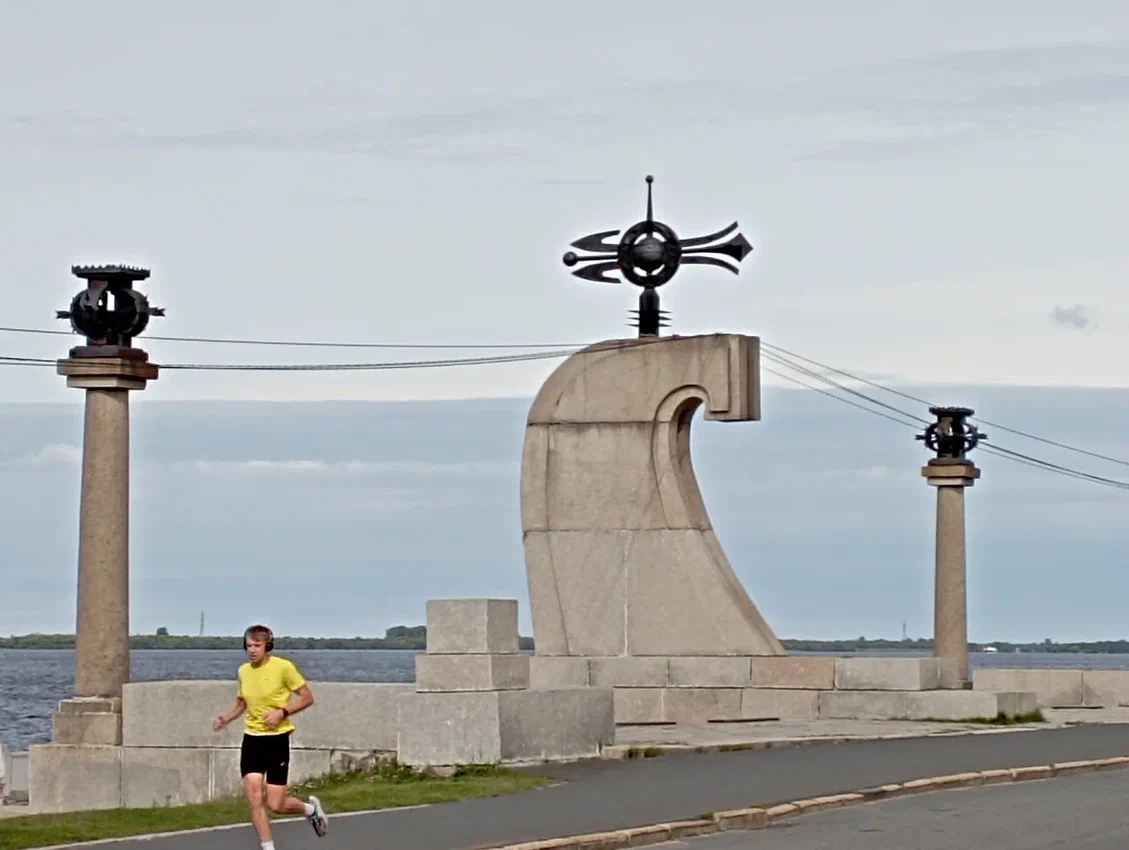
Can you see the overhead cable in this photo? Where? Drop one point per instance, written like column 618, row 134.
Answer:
column 974, row 418
column 994, row 449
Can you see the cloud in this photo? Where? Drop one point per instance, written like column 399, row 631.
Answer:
column 1076, row 318
column 861, row 110
column 877, row 472
column 389, row 501
column 933, row 103
column 52, row 454
column 349, row 467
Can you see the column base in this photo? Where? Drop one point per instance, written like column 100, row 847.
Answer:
column 130, row 372
column 950, row 472
column 88, row 720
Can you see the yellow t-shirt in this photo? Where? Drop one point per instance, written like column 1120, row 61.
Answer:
column 266, row 687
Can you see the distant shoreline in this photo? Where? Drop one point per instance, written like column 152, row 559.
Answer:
column 414, row 638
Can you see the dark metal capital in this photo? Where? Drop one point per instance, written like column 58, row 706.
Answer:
column 103, row 325
column 950, row 436
column 648, row 254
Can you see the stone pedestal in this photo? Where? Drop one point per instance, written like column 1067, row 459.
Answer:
column 479, row 626
column 474, row 704
column 88, row 720
column 102, row 622
column 472, row 645
column 950, row 605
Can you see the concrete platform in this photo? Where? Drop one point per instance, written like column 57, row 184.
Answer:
column 782, row 733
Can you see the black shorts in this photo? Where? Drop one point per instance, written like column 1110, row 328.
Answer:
column 266, row 754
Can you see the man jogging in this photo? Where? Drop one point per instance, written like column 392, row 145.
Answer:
column 266, row 684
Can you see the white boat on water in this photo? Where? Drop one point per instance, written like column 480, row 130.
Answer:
column 990, row 649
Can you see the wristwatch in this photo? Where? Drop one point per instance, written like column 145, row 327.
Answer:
column 286, row 712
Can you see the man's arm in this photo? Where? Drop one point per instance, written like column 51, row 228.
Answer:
column 305, row 700
column 236, row 709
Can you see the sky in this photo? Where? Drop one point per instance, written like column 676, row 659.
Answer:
column 935, row 196
column 344, row 518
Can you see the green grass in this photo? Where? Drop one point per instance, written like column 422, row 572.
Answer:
column 644, row 752
column 1035, row 716
column 390, row 786
column 1001, row 719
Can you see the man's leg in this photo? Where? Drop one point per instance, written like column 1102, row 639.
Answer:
column 253, row 768
column 277, row 776
column 253, row 789
column 282, row 803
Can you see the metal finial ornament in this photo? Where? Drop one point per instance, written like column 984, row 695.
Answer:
column 91, row 314
column 648, row 255
column 950, row 436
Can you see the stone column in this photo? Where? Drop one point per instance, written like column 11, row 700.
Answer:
column 950, row 605
column 102, row 621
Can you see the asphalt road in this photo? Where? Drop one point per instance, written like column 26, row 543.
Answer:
column 1083, row 812
column 605, row 794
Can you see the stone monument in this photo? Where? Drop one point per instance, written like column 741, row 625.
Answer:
column 629, row 587
column 621, row 558
column 951, row 472
column 110, row 314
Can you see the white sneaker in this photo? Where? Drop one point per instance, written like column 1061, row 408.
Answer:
column 318, row 820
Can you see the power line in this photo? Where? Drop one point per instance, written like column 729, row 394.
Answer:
column 323, row 367
column 846, row 374
column 315, row 344
column 1051, row 442
column 606, row 345
column 772, row 371
column 25, row 361
column 995, row 449
column 351, row 367
column 979, row 419
column 1053, row 467
column 766, row 347
column 784, row 361
column 768, row 350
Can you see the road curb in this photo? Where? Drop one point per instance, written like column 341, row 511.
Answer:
column 616, row 752
column 759, row 817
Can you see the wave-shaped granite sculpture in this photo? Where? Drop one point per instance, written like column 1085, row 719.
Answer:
column 620, row 555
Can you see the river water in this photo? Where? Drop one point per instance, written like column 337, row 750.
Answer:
column 32, row 681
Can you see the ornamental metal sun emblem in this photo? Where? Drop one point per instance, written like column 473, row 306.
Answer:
column 648, row 254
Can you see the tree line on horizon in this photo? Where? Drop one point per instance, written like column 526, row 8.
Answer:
column 396, row 637
column 415, row 638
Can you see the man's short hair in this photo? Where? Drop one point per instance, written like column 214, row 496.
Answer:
column 258, row 632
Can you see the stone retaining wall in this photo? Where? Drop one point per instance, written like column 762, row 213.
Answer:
column 702, row 689
column 170, row 756
column 1064, row 688
column 179, row 713
column 811, row 672
column 471, row 703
